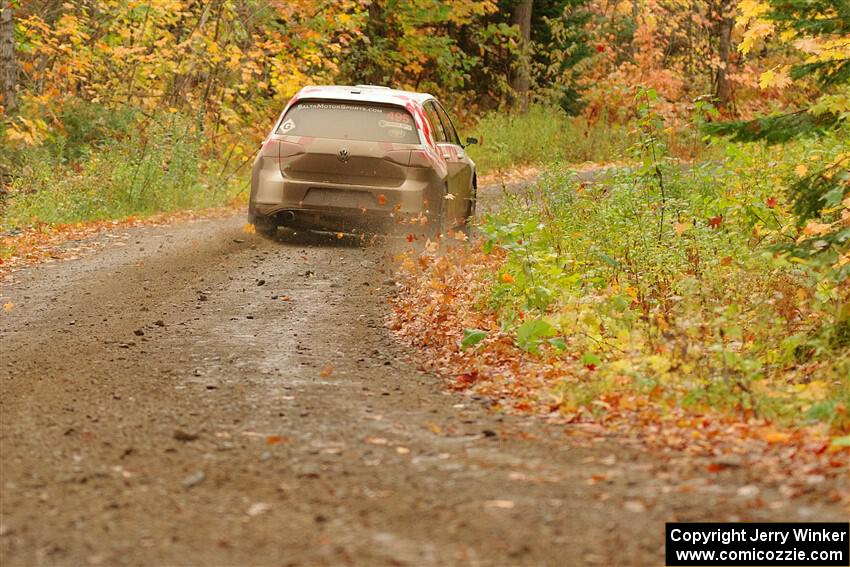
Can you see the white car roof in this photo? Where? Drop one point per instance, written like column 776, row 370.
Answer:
column 362, row 93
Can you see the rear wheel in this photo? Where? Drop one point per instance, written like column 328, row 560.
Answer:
column 264, row 225
column 439, row 224
column 470, row 210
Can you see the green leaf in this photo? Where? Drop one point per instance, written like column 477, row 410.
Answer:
column 472, row 337
column 621, row 302
column 609, row 260
column 589, row 358
column 557, row 343
column 841, row 441
column 530, row 333
column 834, row 196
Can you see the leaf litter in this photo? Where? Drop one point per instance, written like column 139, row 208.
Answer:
column 438, row 311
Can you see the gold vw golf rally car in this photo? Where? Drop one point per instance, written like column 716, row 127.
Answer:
column 362, row 158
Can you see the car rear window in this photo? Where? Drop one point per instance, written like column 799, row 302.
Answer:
column 350, row 121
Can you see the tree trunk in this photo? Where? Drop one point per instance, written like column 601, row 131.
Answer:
column 8, row 65
column 722, row 87
column 522, row 74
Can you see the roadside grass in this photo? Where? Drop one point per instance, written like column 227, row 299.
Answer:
column 696, row 292
column 102, row 166
column 544, row 135
column 547, row 135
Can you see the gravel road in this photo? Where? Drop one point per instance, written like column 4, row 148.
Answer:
column 195, row 395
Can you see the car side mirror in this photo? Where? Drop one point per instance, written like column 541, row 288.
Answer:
column 471, row 141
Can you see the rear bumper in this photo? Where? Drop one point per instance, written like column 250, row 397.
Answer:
column 312, row 204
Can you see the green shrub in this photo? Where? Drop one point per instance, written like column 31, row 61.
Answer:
column 86, row 126
column 685, row 279
column 144, row 167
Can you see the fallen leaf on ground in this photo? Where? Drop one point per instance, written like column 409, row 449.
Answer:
column 635, row 506
column 258, row 508
column 502, row 504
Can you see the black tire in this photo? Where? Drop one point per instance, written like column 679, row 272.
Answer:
column 442, row 226
column 468, row 229
column 438, row 224
column 264, row 225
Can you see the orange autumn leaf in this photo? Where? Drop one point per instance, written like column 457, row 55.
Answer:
column 327, row 371
column 814, row 228
column 507, row 278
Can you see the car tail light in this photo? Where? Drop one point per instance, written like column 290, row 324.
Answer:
column 279, row 149
column 409, row 158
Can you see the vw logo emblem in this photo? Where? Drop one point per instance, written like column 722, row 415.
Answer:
column 343, row 156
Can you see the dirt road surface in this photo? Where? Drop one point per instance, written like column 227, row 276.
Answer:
column 194, row 395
